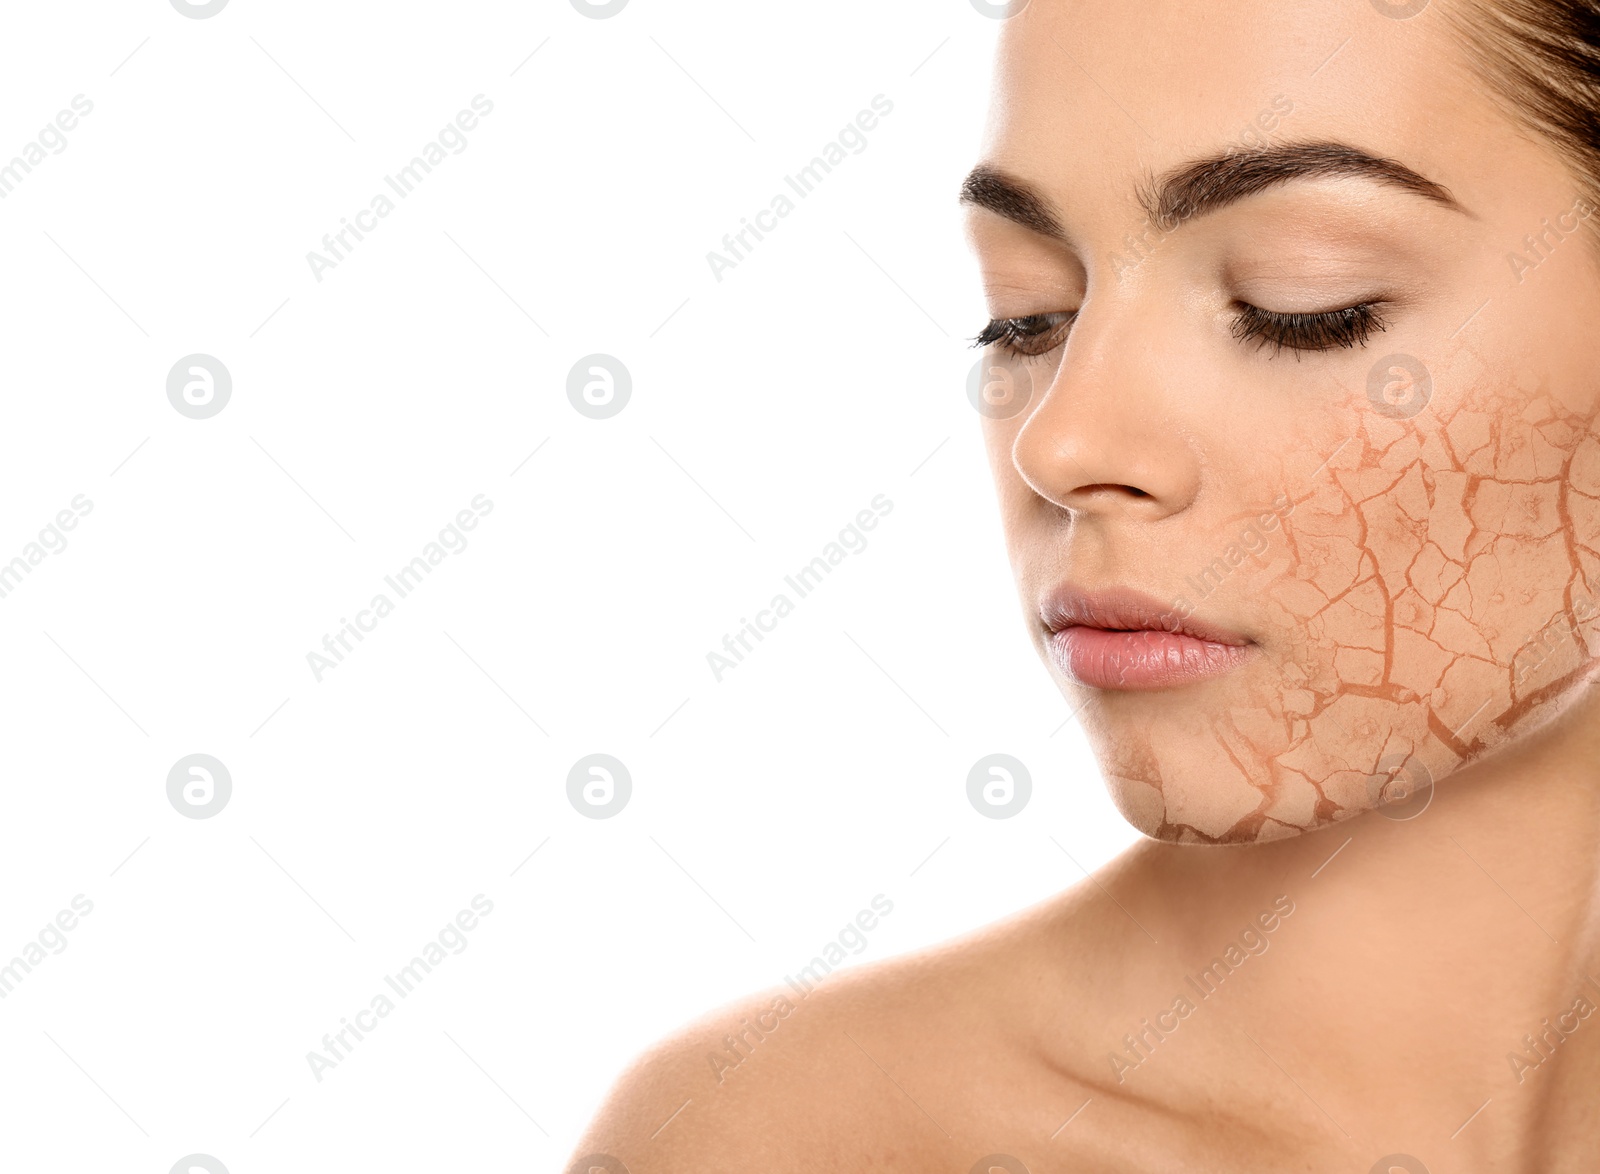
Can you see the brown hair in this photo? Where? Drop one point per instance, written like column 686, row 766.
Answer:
column 1542, row 57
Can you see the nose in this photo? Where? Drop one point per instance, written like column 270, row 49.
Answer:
column 1108, row 436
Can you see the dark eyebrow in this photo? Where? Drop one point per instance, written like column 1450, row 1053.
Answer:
column 1005, row 196
column 1206, row 185
column 1209, row 184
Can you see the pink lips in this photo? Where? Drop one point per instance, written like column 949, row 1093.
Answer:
column 1119, row 639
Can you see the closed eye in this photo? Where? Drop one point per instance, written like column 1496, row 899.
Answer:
column 1030, row 336
column 1034, row 335
column 1323, row 331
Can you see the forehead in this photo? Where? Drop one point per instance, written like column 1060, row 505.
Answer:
column 1091, row 99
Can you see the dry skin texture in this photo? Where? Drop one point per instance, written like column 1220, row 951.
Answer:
column 1436, row 582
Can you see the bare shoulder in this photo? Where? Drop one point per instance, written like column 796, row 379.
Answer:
column 874, row 1067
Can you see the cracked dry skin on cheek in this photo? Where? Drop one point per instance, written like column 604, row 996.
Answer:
column 1429, row 594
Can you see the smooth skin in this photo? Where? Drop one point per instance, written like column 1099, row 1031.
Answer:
column 1402, row 613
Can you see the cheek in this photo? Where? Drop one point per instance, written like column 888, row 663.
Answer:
column 1414, row 606
column 1417, row 610
column 1429, row 592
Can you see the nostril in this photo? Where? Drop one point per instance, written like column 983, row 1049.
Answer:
column 1111, row 488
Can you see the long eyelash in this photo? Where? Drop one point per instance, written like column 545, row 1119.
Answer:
column 1027, row 337
column 996, row 330
column 1348, row 328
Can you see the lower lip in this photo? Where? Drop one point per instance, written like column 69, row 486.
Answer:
column 1104, row 659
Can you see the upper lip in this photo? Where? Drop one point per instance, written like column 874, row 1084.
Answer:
column 1121, row 609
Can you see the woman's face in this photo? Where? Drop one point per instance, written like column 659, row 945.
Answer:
column 1290, row 401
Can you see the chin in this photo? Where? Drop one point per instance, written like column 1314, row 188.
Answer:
column 1259, row 757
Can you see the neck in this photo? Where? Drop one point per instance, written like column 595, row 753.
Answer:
column 1436, row 990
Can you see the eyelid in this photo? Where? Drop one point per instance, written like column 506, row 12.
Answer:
column 1347, row 327
column 1031, row 336
column 1028, row 335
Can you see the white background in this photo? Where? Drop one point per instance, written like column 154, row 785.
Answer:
column 367, row 409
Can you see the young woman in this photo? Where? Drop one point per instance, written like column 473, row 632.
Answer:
column 1291, row 403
